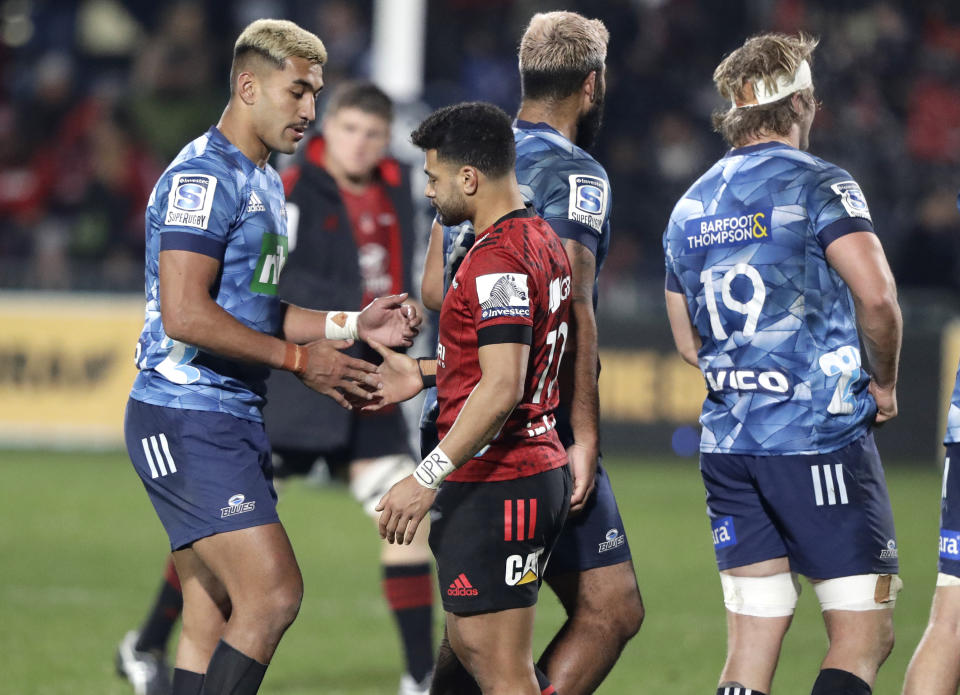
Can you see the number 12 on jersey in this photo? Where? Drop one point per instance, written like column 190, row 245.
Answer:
column 559, row 291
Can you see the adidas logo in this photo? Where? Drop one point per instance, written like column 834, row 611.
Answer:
column 255, row 204
column 461, row 587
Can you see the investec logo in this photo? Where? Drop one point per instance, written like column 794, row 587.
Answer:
column 273, row 254
column 718, row 231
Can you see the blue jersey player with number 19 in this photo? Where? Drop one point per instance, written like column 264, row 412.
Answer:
column 216, row 240
column 771, row 266
column 562, row 56
column 935, row 666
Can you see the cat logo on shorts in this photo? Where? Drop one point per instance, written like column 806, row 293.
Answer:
column 523, row 571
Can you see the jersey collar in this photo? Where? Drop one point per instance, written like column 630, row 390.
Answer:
column 528, row 125
column 521, row 213
column 759, row 147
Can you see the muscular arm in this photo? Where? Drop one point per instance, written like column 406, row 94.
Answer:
column 504, row 371
column 304, row 325
column 859, row 259
column 431, row 285
column 584, row 398
column 579, row 388
column 685, row 336
column 191, row 315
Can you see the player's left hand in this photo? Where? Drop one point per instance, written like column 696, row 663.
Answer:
column 389, row 321
column 402, row 509
column 886, row 399
column 583, row 467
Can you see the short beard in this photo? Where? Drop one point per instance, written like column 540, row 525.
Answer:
column 588, row 126
column 453, row 214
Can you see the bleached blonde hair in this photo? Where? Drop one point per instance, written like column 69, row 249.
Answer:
column 273, row 41
column 765, row 57
column 557, row 52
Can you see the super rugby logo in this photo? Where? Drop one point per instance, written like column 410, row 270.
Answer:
column 588, row 200
column 190, row 200
column 502, row 294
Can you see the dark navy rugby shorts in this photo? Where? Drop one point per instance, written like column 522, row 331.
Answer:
column 829, row 514
column 593, row 538
column 950, row 513
column 204, row 472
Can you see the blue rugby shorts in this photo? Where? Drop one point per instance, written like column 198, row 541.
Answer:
column 204, row 472
column 829, row 514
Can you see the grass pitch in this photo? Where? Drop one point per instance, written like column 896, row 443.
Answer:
column 81, row 555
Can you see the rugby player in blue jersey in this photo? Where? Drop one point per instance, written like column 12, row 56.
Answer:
column 935, row 666
column 216, row 241
column 772, row 265
column 562, row 57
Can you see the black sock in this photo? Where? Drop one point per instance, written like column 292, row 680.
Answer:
column 186, row 682
column 409, row 593
column 166, row 609
column 833, row 681
column 546, row 687
column 737, row 690
column 232, row 673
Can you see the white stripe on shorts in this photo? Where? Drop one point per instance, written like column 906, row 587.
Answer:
column 146, row 452
column 159, row 456
column 946, row 472
column 166, row 452
column 841, row 486
column 828, row 480
column 817, row 491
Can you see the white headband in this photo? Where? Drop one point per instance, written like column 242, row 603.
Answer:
column 785, row 87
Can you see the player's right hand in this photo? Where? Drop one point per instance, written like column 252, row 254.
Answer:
column 329, row 371
column 583, row 469
column 402, row 509
column 886, row 399
column 399, row 376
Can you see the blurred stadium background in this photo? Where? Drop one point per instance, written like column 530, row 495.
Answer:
column 97, row 95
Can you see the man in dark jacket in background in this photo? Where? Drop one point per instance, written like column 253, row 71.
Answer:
column 350, row 218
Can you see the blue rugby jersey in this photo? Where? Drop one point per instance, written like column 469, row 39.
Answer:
column 780, row 355
column 569, row 189
column 952, row 435
column 213, row 200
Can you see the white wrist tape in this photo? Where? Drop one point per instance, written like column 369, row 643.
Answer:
column 433, row 469
column 342, row 325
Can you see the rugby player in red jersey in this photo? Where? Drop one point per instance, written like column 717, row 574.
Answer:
column 506, row 486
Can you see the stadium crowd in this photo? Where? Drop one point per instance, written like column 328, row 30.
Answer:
column 96, row 95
